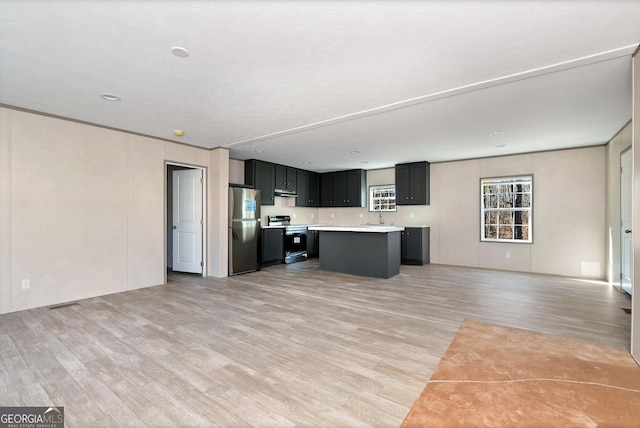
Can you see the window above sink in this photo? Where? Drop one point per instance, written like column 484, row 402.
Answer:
column 382, row 198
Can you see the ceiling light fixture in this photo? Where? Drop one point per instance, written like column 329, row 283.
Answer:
column 181, row 52
column 178, row 132
column 354, row 152
column 259, row 151
column 501, row 145
column 496, row 134
column 110, row 97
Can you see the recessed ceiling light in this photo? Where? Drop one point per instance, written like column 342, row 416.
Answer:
column 259, row 151
column 354, row 152
column 364, row 161
column 178, row 132
column 110, row 97
column 306, row 162
column 181, row 52
column 501, row 145
column 496, row 134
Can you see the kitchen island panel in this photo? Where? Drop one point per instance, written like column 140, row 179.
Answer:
column 360, row 253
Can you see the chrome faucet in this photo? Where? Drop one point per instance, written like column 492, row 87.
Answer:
column 381, row 220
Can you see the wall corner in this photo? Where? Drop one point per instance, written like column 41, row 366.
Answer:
column 217, row 209
column 5, row 211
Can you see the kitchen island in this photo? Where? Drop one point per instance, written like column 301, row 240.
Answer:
column 368, row 250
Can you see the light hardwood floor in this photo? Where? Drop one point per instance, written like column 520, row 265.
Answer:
column 288, row 345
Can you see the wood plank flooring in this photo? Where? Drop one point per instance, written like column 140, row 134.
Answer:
column 288, row 345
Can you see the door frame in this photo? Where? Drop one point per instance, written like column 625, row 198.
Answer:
column 626, row 152
column 204, row 212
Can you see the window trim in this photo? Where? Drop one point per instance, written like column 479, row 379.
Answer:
column 530, row 208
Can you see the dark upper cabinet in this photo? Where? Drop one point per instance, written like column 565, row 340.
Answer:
column 286, row 178
column 272, row 245
column 331, row 189
column 356, row 188
column 326, row 190
column 412, row 183
column 261, row 176
column 314, row 190
column 308, row 184
column 340, row 188
column 344, row 189
column 414, row 245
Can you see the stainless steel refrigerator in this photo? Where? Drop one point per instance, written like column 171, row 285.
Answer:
column 244, row 229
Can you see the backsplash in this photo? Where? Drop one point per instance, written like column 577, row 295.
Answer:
column 405, row 216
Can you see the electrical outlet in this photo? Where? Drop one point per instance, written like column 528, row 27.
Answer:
column 332, row 215
column 361, row 215
column 411, row 215
column 26, row 283
column 507, row 255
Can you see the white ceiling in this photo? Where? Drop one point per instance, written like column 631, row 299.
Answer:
column 317, row 81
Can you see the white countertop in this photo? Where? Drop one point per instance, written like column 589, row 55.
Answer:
column 377, row 228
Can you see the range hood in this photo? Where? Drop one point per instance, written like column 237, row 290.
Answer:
column 285, row 193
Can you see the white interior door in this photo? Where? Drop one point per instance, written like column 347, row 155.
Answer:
column 626, row 241
column 187, row 220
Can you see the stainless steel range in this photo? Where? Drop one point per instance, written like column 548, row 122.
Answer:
column 295, row 238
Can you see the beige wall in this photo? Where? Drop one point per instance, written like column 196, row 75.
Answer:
column 569, row 212
column 236, row 171
column 618, row 144
column 5, row 211
column 82, row 211
column 218, row 213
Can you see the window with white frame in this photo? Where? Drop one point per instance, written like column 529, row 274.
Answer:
column 382, row 198
column 506, row 209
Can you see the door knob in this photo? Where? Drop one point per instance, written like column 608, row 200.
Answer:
column 175, row 227
column 627, row 231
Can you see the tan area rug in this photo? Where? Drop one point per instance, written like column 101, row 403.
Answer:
column 500, row 376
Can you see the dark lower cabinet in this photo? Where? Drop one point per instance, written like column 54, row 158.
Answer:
column 414, row 246
column 272, row 246
column 313, row 243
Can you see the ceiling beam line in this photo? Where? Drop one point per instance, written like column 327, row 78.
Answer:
column 529, row 74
